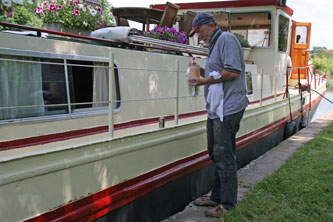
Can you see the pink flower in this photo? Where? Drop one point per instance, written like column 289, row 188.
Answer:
column 39, row 9
column 76, row 12
column 52, row 8
column 75, row 3
column 45, row 3
column 59, row 7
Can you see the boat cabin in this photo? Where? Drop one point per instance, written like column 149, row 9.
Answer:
column 58, row 82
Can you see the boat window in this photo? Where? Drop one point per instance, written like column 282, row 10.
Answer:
column 23, row 92
column 89, row 85
column 53, row 86
column 222, row 19
column 301, row 35
column 37, row 87
column 283, row 33
column 254, row 27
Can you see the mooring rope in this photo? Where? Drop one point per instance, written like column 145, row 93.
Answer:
column 322, row 96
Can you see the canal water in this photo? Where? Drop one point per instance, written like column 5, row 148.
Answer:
column 324, row 106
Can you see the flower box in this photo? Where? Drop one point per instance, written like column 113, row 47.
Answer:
column 71, row 14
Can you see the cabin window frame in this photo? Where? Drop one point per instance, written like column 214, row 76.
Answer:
column 270, row 39
column 92, row 111
column 287, row 40
column 194, row 39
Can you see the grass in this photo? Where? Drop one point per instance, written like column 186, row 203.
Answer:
column 329, row 86
column 301, row 190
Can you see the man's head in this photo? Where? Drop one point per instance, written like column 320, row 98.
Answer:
column 204, row 25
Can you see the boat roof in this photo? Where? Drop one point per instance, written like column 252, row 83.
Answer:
column 226, row 4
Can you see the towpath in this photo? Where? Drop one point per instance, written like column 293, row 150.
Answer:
column 260, row 168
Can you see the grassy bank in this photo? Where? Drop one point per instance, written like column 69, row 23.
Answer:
column 329, row 86
column 301, row 190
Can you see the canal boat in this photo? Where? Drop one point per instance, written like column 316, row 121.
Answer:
column 95, row 129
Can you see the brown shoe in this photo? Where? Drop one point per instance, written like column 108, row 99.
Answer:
column 216, row 211
column 205, row 202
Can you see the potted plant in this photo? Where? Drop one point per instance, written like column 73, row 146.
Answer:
column 69, row 15
column 245, row 45
column 168, row 34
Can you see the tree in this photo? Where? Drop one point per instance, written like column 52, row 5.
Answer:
column 323, row 60
column 317, row 49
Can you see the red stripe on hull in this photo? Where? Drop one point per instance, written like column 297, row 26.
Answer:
column 38, row 140
column 99, row 204
column 267, row 98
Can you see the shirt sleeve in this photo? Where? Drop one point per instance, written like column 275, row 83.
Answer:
column 231, row 53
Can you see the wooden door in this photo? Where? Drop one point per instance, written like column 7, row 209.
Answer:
column 300, row 44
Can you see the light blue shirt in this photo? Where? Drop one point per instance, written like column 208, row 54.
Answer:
column 226, row 54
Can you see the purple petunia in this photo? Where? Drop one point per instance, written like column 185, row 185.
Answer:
column 168, row 34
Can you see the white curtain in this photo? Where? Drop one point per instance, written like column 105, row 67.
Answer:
column 101, row 85
column 20, row 85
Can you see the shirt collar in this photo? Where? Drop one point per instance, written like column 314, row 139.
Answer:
column 213, row 39
column 215, row 36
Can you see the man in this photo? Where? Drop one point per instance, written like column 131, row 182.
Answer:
column 225, row 93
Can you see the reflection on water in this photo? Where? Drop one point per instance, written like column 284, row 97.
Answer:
column 324, row 106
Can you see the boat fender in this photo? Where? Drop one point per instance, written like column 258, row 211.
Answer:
column 290, row 129
column 119, row 33
column 304, row 121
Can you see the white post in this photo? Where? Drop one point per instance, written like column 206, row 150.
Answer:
column 67, row 89
column 274, row 81
column 177, row 92
column 111, row 94
column 261, row 85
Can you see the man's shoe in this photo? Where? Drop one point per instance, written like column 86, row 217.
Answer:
column 216, row 211
column 205, row 202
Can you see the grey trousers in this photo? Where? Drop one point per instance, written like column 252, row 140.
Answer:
column 221, row 140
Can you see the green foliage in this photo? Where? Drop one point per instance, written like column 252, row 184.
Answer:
column 301, row 190
column 323, row 61
column 23, row 16
column 20, row 14
column 243, row 42
column 318, row 49
column 108, row 17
